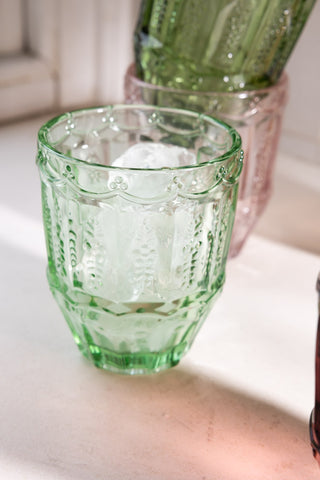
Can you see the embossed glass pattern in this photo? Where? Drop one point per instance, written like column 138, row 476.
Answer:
column 217, row 45
column 136, row 256
column 255, row 114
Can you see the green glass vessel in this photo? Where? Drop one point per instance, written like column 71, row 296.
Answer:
column 137, row 244
column 217, row 45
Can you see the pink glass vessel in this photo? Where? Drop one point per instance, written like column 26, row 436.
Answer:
column 256, row 114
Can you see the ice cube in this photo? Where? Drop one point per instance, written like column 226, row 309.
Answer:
column 143, row 230
column 155, row 155
column 149, row 157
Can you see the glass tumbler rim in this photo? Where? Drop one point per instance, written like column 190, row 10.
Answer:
column 45, row 143
column 281, row 83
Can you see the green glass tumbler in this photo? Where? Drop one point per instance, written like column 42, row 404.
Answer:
column 217, row 45
column 138, row 208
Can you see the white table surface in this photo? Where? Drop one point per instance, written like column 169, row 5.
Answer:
column 236, row 408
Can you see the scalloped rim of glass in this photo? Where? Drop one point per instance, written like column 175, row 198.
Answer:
column 282, row 83
column 234, row 135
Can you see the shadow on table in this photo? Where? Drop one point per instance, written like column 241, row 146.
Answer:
column 87, row 424
column 62, row 418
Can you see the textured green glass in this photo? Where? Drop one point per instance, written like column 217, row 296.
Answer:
column 136, row 256
column 217, row 45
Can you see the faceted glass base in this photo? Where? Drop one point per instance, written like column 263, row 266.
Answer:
column 128, row 339
column 133, row 363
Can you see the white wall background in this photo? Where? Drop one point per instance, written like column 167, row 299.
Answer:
column 59, row 54
column 62, row 54
column 301, row 129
